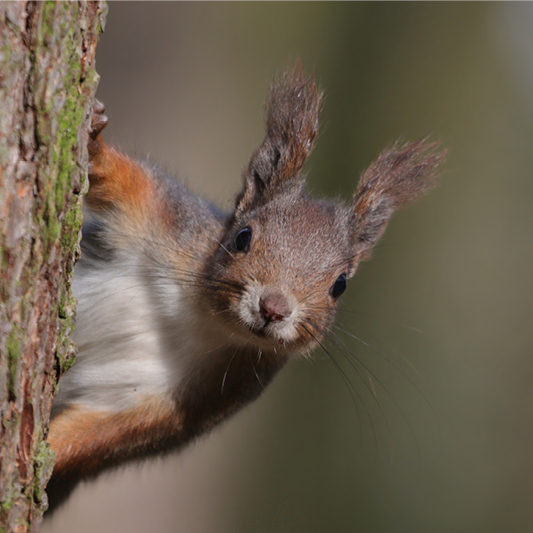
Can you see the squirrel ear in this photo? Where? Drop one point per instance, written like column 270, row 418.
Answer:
column 400, row 175
column 291, row 128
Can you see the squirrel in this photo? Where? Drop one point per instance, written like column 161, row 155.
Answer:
column 186, row 313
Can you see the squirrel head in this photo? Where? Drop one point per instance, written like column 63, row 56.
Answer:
column 284, row 259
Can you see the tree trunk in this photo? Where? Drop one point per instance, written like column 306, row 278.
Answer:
column 47, row 81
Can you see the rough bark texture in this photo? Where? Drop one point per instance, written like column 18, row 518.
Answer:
column 47, row 81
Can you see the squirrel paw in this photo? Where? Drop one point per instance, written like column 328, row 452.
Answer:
column 98, row 123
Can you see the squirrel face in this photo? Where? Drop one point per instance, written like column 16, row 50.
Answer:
column 288, row 262
column 284, row 258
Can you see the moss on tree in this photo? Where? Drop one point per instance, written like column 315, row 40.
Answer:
column 48, row 82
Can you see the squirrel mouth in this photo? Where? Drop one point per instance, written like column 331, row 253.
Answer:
column 265, row 333
column 262, row 331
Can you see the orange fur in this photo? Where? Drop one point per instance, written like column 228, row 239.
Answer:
column 85, row 440
column 118, row 182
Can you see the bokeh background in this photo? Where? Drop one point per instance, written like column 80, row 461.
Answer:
column 443, row 310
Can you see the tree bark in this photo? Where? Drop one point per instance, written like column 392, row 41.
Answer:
column 47, row 82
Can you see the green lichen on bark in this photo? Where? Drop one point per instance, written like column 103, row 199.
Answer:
column 43, row 462
column 47, row 64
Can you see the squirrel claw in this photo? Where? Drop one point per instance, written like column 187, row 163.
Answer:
column 98, row 107
column 99, row 120
column 98, row 123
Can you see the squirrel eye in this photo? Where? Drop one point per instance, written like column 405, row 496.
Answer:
column 242, row 241
column 339, row 286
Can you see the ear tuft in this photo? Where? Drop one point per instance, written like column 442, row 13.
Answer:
column 291, row 119
column 400, row 175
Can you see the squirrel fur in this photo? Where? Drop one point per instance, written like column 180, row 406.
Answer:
column 186, row 313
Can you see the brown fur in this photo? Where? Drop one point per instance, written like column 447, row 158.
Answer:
column 400, row 175
column 291, row 129
column 299, row 247
column 117, row 182
column 84, row 441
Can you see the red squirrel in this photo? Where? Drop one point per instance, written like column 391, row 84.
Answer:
column 187, row 313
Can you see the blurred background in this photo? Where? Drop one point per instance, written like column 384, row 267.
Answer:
column 443, row 310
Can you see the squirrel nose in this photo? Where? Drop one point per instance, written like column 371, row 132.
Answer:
column 274, row 307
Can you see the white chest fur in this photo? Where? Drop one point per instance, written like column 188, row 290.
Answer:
column 136, row 337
